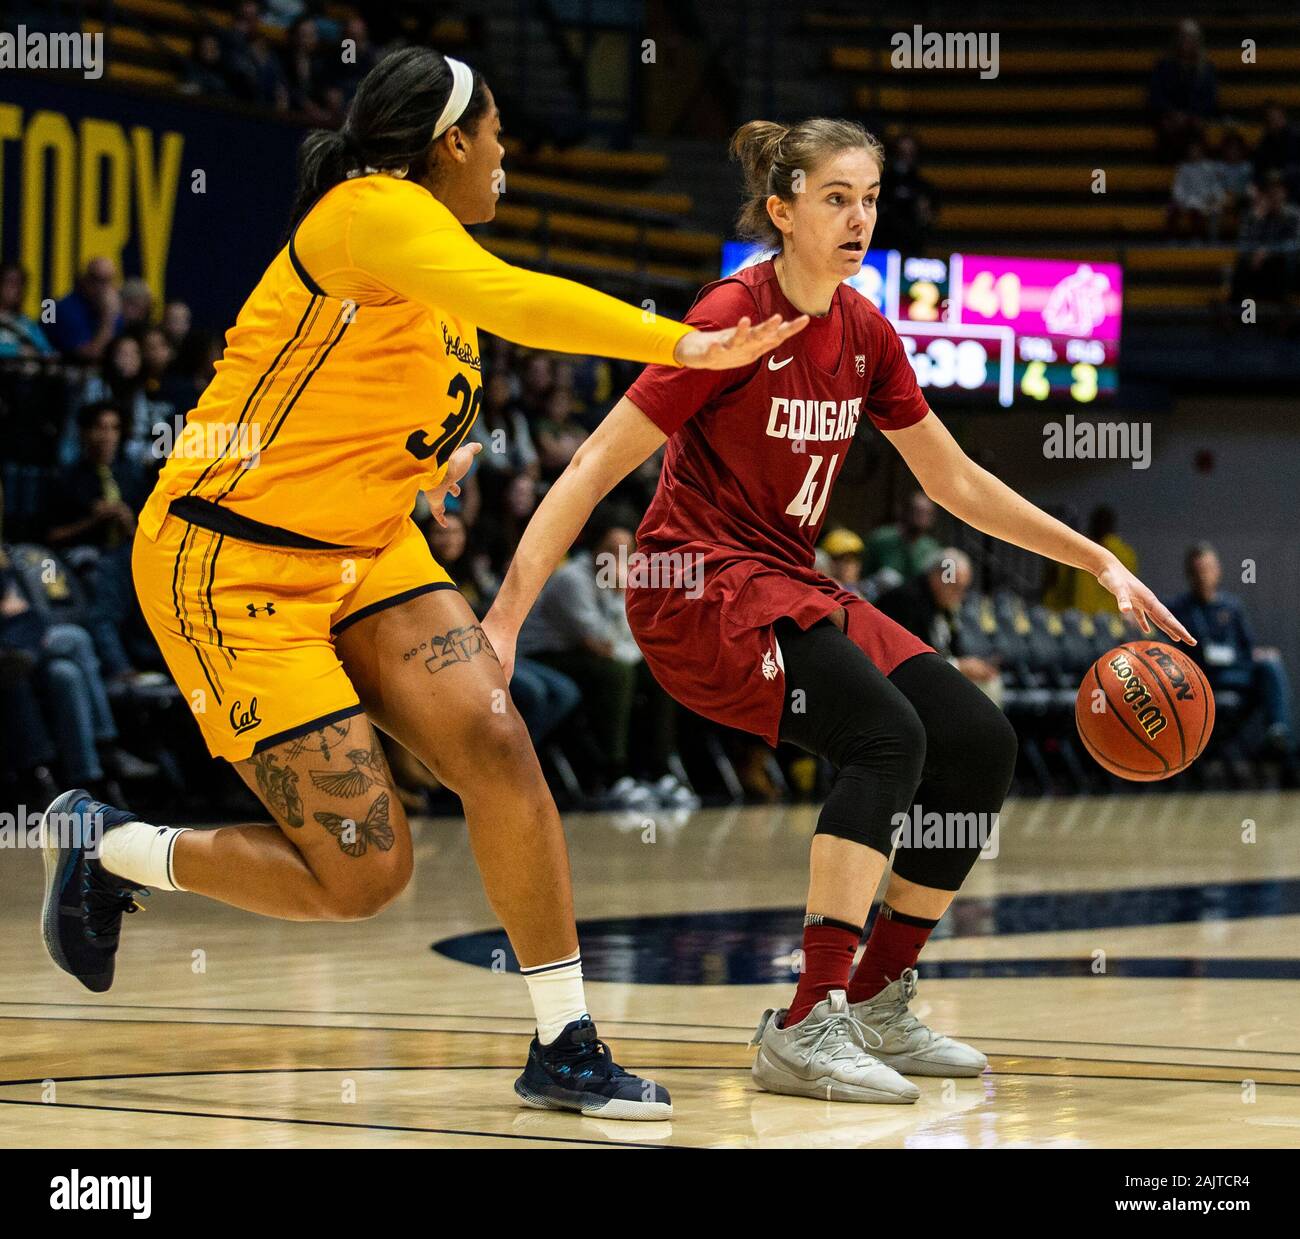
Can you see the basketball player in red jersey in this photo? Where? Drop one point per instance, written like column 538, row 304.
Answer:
column 773, row 647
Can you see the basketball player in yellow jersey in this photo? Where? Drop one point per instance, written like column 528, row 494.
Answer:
column 297, row 604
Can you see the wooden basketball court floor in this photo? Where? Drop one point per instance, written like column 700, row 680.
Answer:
column 1129, row 964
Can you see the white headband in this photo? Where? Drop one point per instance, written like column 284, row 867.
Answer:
column 462, row 86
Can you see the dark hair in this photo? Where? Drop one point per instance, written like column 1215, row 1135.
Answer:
column 389, row 124
column 1194, row 552
column 1102, row 522
column 89, row 414
column 609, row 514
column 771, row 155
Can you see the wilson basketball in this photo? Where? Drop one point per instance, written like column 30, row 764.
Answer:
column 1144, row 711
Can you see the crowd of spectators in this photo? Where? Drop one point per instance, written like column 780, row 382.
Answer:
column 283, row 56
column 131, row 371
column 1222, row 189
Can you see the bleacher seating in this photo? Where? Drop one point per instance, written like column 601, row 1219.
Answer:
column 1014, row 158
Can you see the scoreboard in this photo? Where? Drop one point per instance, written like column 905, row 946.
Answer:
column 1015, row 328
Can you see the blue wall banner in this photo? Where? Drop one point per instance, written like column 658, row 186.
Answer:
column 193, row 198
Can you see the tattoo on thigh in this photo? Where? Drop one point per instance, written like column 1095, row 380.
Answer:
column 353, row 836
column 459, row 645
column 324, row 741
column 279, row 785
column 366, row 770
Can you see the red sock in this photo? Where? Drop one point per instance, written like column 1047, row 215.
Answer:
column 828, row 950
column 895, row 943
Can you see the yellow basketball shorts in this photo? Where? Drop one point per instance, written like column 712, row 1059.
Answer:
column 248, row 629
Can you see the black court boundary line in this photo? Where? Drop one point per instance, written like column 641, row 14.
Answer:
column 431, row 1131
column 727, row 1068
column 741, row 1028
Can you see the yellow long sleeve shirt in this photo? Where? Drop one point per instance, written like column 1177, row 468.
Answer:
column 352, row 371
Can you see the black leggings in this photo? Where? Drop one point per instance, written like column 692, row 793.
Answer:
column 924, row 736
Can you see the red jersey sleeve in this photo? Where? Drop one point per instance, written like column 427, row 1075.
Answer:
column 894, row 400
column 671, row 395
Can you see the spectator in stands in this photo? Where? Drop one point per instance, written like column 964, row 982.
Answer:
column 1198, row 197
column 535, row 386
column 307, row 76
column 508, row 502
column 95, row 499
column 72, row 691
column 1227, row 652
column 156, row 355
column 20, row 336
column 558, row 434
column 205, row 72
column 356, row 58
column 579, row 628
column 123, row 381
column 1184, row 92
column 1075, row 588
column 928, row 606
column 191, row 371
column 899, row 552
column 844, row 549
column 1236, row 171
column 449, row 543
column 90, row 316
column 283, row 13
column 250, row 64
column 137, row 304
column 1278, row 149
column 503, row 430
column 1270, row 235
column 177, row 322
column 26, row 750
column 908, row 201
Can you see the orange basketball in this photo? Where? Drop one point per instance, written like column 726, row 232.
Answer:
column 1144, row 711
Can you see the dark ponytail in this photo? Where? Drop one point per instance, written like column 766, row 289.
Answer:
column 389, row 124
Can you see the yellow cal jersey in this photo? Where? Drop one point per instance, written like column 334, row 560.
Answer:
column 352, row 372
column 282, row 518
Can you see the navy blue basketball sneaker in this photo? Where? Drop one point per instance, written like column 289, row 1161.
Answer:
column 84, row 903
column 577, row 1072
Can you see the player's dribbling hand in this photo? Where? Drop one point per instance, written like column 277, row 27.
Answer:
column 457, row 467
column 736, row 346
column 1137, row 603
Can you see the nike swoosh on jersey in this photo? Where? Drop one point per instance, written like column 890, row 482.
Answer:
column 773, row 364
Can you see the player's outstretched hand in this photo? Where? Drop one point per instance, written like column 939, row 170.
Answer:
column 736, row 346
column 1137, row 603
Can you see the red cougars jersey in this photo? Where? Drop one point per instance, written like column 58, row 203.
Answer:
column 751, row 459
column 754, row 452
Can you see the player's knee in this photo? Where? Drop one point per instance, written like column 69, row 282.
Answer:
column 889, row 743
column 982, row 743
column 491, row 744
column 361, row 900
column 880, row 758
